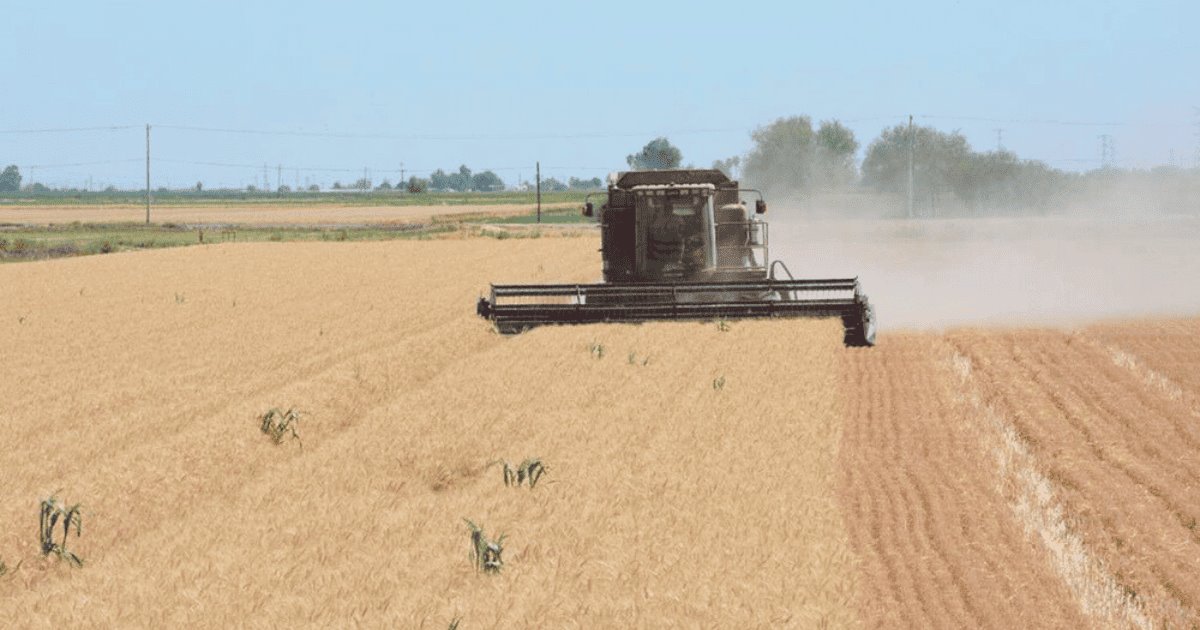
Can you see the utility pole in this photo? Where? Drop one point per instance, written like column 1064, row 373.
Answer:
column 266, row 179
column 539, row 192
column 147, row 173
column 999, row 139
column 278, row 176
column 910, row 166
column 402, row 180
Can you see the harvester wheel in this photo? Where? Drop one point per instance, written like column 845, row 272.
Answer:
column 860, row 331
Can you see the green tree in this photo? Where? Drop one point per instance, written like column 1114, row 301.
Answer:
column 417, row 185
column 575, row 183
column 439, row 180
column 657, row 154
column 486, row 181
column 783, row 156
column 1000, row 181
column 10, row 179
column 941, row 161
column 553, row 185
column 460, row 181
column 836, row 147
column 944, row 163
column 728, row 165
column 789, row 156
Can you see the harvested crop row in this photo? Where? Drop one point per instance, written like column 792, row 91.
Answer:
column 1121, row 456
column 938, row 543
column 1168, row 351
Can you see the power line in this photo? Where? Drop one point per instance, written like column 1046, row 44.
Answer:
column 396, row 136
column 71, row 129
column 1027, row 121
column 317, row 169
column 570, row 135
column 69, row 164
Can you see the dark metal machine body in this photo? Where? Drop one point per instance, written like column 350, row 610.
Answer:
column 681, row 245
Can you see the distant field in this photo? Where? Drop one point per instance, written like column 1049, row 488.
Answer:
column 38, row 241
column 241, row 197
column 260, row 213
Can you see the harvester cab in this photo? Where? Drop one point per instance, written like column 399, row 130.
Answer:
column 682, row 244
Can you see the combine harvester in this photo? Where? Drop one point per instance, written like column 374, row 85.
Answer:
column 681, row 245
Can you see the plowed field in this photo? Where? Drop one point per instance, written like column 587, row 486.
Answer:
column 760, row 476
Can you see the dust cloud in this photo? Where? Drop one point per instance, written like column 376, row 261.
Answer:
column 937, row 273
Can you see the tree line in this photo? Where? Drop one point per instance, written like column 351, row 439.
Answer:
column 792, row 158
column 464, row 180
column 10, row 179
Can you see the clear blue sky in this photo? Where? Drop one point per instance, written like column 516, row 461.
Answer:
column 581, row 85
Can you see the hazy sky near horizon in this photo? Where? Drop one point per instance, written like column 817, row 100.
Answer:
column 577, row 86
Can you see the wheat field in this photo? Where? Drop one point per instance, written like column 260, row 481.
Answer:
column 697, row 475
column 140, row 380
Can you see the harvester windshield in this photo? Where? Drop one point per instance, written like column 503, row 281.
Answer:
column 675, row 229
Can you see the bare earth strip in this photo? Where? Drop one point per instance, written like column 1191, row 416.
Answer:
column 937, row 538
column 262, row 214
column 132, row 383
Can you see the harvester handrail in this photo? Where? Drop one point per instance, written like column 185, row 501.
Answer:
column 531, row 290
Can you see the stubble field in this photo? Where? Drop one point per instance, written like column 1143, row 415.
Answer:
column 760, row 476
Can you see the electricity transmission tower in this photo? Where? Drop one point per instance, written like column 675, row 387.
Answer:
column 1196, row 158
column 1107, row 152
